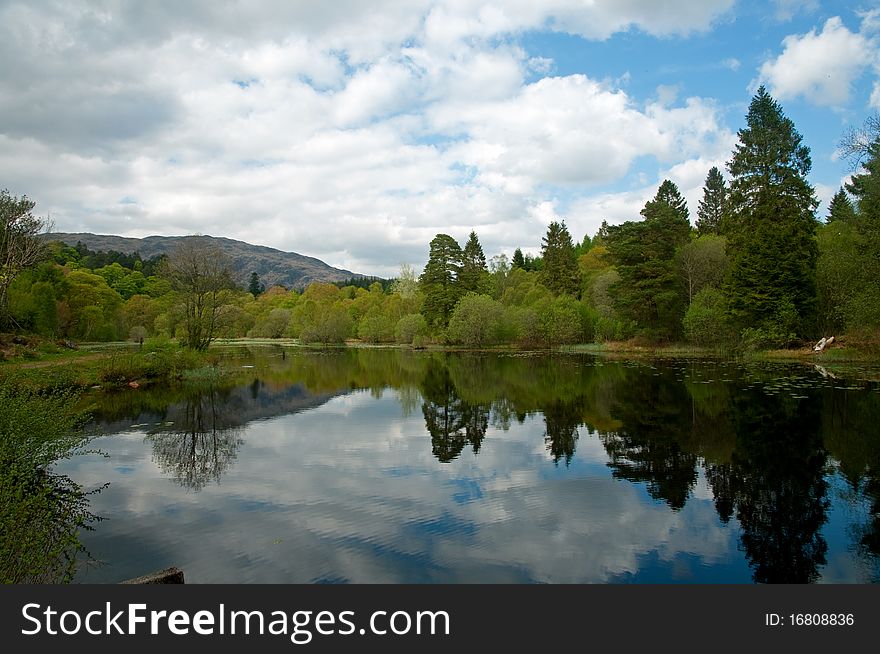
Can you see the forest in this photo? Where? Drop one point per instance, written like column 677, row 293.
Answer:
column 756, row 268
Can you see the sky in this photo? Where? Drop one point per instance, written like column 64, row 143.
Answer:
column 356, row 131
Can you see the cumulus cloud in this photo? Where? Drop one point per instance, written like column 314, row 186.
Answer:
column 329, row 129
column 820, row 66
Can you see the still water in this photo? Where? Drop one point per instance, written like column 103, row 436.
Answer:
column 371, row 465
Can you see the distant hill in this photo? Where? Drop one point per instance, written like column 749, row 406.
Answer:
column 273, row 266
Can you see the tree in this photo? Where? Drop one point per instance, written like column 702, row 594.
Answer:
column 841, row 208
column 771, row 229
column 559, row 271
column 473, row 266
column 20, row 246
column 865, row 188
column 711, row 207
column 199, row 272
column 255, row 288
column 518, row 261
column 856, row 143
column 702, row 262
column 648, row 292
column 439, row 279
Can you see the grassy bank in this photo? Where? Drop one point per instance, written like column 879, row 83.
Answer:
column 52, row 367
column 110, row 366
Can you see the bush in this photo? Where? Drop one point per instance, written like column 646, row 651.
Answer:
column 476, row 320
column 41, row 512
column 376, row 327
column 705, row 322
column 778, row 332
column 272, row 326
column 332, row 325
column 410, row 328
column 560, row 321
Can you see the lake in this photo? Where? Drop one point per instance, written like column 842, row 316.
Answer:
column 397, row 466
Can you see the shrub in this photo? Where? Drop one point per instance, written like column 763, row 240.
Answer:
column 376, row 327
column 41, row 512
column 411, row 327
column 705, row 322
column 476, row 320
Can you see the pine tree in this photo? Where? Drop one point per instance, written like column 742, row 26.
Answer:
column 473, row 266
column 559, row 271
column 649, row 292
column 865, row 188
column 711, row 207
column 255, row 288
column 841, row 208
column 439, row 280
column 518, row 261
column 772, row 226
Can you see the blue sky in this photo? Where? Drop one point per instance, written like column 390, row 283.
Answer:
column 355, row 131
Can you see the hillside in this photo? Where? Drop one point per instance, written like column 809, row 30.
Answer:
column 273, row 266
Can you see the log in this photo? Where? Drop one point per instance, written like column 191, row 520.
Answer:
column 821, row 345
column 167, row 576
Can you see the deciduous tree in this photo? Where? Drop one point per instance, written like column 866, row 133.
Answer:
column 199, row 272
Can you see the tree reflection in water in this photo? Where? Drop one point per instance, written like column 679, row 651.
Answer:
column 765, row 458
column 202, row 441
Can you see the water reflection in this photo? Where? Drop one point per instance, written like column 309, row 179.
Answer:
column 753, row 451
column 201, row 440
column 451, row 422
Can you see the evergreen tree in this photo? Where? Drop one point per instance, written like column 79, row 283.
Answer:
column 711, row 207
column 649, row 292
column 772, row 226
column 865, row 188
column 518, row 261
column 841, row 208
column 583, row 247
column 255, row 288
column 559, row 271
column 439, row 279
column 473, row 266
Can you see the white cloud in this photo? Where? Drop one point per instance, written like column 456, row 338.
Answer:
column 731, row 63
column 335, row 131
column 820, row 66
column 788, row 9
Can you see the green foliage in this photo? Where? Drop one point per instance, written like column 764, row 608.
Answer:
column 411, row 328
column 274, row 325
column 477, row 320
column 711, row 208
column 199, row 272
column 560, row 321
column 377, row 327
column 255, row 288
column 705, row 322
column 865, row 188
column 518, row 260
column 20, row 246
column 473, row 277
column 649, row 293
column 841, row 208
column 841, row 278
column 327, row 324
column 777, row 331
column 559, row 271
column 439, row 280
column 41, row 512
column 702, row 263
column 771, row 224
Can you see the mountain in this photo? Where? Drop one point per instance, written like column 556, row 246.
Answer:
column 273, row 266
